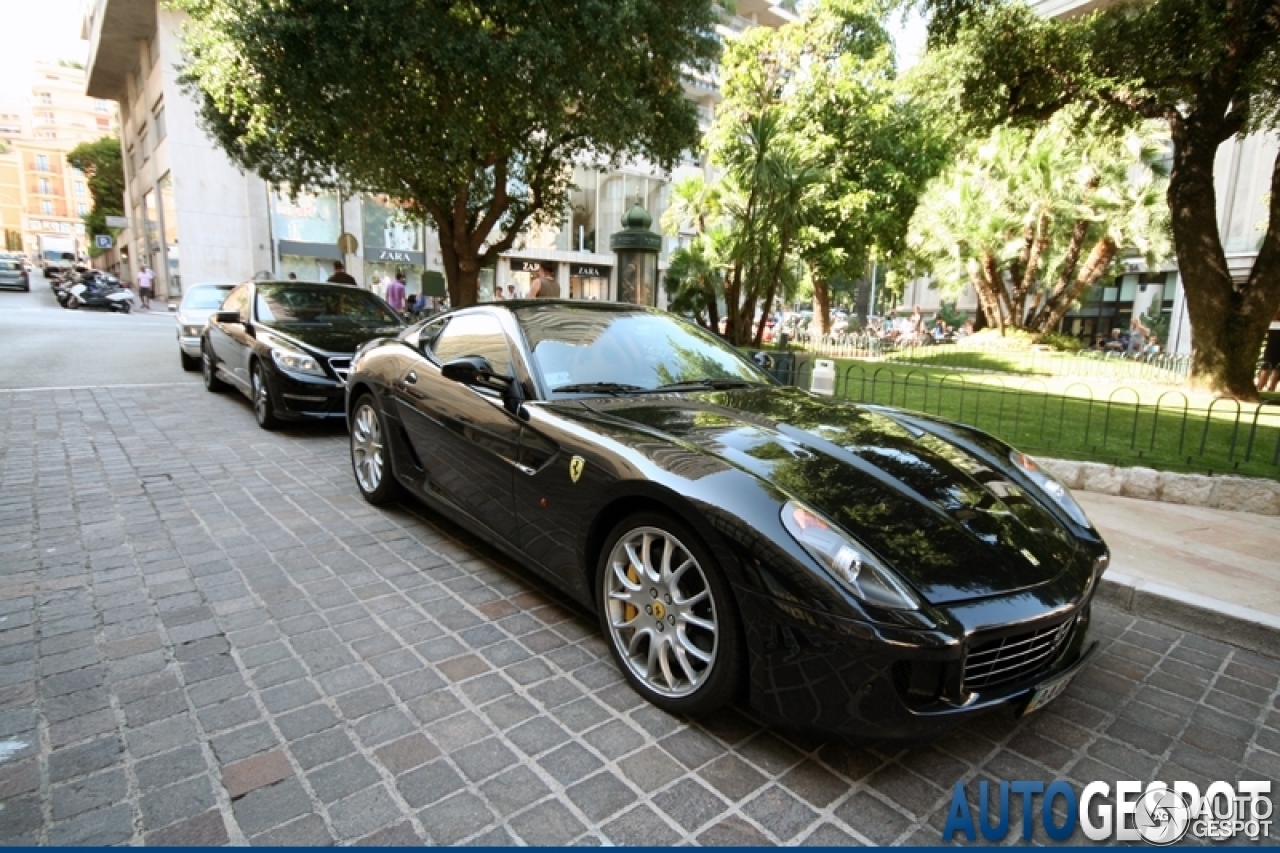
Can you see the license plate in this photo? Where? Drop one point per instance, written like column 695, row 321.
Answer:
column 1053, row 688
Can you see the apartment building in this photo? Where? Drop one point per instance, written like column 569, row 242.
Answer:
column 195, row 217
column 39, row 192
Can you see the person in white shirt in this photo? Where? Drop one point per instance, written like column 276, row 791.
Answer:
column 146, row 281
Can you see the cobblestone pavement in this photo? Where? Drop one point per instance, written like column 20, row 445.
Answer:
column 206, row 636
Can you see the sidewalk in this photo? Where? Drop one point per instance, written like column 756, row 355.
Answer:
column 1212, row 571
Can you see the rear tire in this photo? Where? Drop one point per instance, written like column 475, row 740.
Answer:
column 210, row 372
column 668, row 615
column 370, row 454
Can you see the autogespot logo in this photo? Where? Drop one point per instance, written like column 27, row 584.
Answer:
column 1157, row 813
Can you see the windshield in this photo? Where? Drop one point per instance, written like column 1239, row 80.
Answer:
column 293, row 304
column 207, row 297
column 623, row 350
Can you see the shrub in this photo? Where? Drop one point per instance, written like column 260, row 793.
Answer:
column 991, row 339
column 1060, row 341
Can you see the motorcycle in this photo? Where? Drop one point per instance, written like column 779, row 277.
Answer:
column 99, row 291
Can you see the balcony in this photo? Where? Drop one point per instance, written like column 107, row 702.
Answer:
column 114, row 28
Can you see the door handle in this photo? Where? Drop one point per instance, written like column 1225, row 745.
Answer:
column 411, row 378
column 525, row 469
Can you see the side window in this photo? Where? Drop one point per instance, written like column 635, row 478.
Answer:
column 429, row 333
column 238, row 300
column 475, row 334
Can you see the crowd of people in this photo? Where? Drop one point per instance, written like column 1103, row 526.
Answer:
column 1136, row 342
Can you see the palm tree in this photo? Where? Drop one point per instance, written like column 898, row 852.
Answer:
column 1015, row 215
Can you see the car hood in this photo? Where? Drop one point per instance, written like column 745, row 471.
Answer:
column 330, row 339
column 952, row 520
column 195, row 316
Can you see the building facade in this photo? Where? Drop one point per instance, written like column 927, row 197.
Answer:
column 40, row 194
column 195, row 217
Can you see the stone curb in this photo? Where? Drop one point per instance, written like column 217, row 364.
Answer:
column 1239, row 494
column 1239, row 626
column 1188, row 611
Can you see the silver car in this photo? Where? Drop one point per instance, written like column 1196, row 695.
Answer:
column 199, row 303
column 13, row 274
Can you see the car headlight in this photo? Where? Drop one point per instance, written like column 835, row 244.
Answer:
column 296, row 362
column 847, row 561
column 192, row 331
column 1049, row 484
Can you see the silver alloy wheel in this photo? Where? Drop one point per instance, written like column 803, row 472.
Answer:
column 661, row 612
column 366, row 448
column 261, row 401
column 206, row 367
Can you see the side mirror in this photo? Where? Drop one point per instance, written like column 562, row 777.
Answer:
column 476, row 370
column 226, row 317
column 470, row 370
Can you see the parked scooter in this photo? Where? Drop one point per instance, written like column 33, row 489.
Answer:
column 99, row 290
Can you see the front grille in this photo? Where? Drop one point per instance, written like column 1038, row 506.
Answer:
column 342, row 367
column 1012, row 658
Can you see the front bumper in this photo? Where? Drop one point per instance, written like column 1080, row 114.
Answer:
column 816, row 671
column 297, row 397
column 190, row 345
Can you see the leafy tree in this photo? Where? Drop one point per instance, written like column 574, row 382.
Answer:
column 468, row 113
column 694, row 283
column 695, row 274
column 822, row 158
column 1033, row 219
column 1209, row 69
column 102, row 162
column 871, row 136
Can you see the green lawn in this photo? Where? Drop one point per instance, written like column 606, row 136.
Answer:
column 1072, row 417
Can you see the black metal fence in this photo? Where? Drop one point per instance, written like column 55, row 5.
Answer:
column 1068, row 418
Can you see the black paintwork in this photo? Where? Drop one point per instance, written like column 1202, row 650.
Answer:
column 238, row 344
column 938, row 502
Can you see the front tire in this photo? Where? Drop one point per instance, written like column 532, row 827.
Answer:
column 189, row 364
column 264, row 410
column 668, row 615
column 209, row 372
column 370, row 454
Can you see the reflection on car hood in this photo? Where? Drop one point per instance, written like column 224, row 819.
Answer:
column 195, row 316
column 331, row 339
column 952, row 523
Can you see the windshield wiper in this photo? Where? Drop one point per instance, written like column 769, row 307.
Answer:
column 614, row 388
column 722, row 384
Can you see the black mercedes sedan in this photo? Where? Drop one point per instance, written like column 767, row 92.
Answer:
column 853, row 569
column 287, row 345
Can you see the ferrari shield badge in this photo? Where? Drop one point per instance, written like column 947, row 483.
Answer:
column 576, row 464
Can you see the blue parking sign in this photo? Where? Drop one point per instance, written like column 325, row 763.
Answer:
column 102, row 241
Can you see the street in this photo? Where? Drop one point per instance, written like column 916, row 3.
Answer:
column 208, row 637
column 50, row 347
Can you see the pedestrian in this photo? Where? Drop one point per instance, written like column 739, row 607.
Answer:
column 146, row 280
column 395, row 292
column 1137, row 335
column 544, row 284
column 1269, row 375
column 917, row 326
column 340, row 274
column 511, row 291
